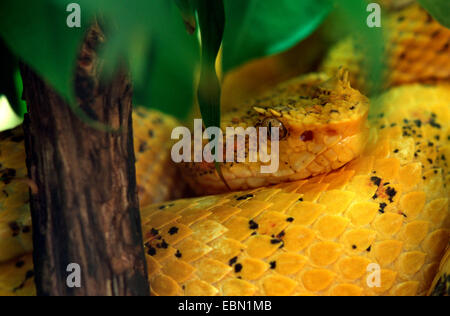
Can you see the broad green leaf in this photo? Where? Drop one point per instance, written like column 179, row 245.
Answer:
column 36, row 31
column 439, row 9
column 151, row 38
column 256, row 28
column 168, row 84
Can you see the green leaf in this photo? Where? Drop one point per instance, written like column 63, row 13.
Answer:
column 256, row 28
column 439, row 9
column 36, row 32
column 352, row 16
column 169, row 84
column 151, row 38
column 188, row 14
column 10, row 81
column 211, row 20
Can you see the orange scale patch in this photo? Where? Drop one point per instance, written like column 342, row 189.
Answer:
column 236, row 287
column 223, row 213
column 305, row 213
column 260, row 246
column 410, row 175
column 412, row 204
column 365, row 188
column 156, row 208
column 175, row 232
column 362, row 213
column 353, row 268
column 411, row 262
column 336, row 201
column 288, row 263
column 250, row 268
column 163, row 285
column 408, row 288
column 160, row 219
column 388, row 168
column 387, row 251
column 178, row 270
column 433, row 185
column 338, row 180
column 293, row 187
column 387, row 278
column 206, row 231
column 388, row 224
column 271, row 223
column 200, row 288
column 191, row 249
column 224, row 249
column 358, row 240
column 324, row 253
column 265, row 194
column 278, row 285
column 284, row 201
column 346, row 290
column 311, row 192
column 238, row 228
column 436, row 211
column 298, row 238
column 190, row 216
column 330, row 226
column 153, row 266
column 415, row 232
column 211, row 270
column 253, row 208
column 317, row 280
column 362, row 165
column 381, row 150
column 436, row 243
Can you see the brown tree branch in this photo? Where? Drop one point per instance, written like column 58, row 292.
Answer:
column 86, row 210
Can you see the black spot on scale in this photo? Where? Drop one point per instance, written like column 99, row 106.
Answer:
column 253, row 225
column 238, row 268
column 232, row 261
column 391, row 192
column 376, row 181
column 151, row 251
column 245, row 197
column 173, row 230
column 382, row 207
column 273, row 265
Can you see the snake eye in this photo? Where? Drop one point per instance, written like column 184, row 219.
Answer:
column 273, row 122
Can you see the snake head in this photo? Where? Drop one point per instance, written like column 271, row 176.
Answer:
column 322, row 124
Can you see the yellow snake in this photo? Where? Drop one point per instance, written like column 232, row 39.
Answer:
column 386, row 202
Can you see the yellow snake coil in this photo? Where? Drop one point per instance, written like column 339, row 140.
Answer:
column 378, row 199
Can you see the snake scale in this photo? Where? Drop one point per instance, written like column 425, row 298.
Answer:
column 350, row 191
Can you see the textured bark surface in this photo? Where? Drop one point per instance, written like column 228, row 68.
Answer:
column 86, row 209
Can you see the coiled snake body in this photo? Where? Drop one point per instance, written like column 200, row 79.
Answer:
column 346, row 196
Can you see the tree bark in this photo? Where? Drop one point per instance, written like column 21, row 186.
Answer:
column 85, row 210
